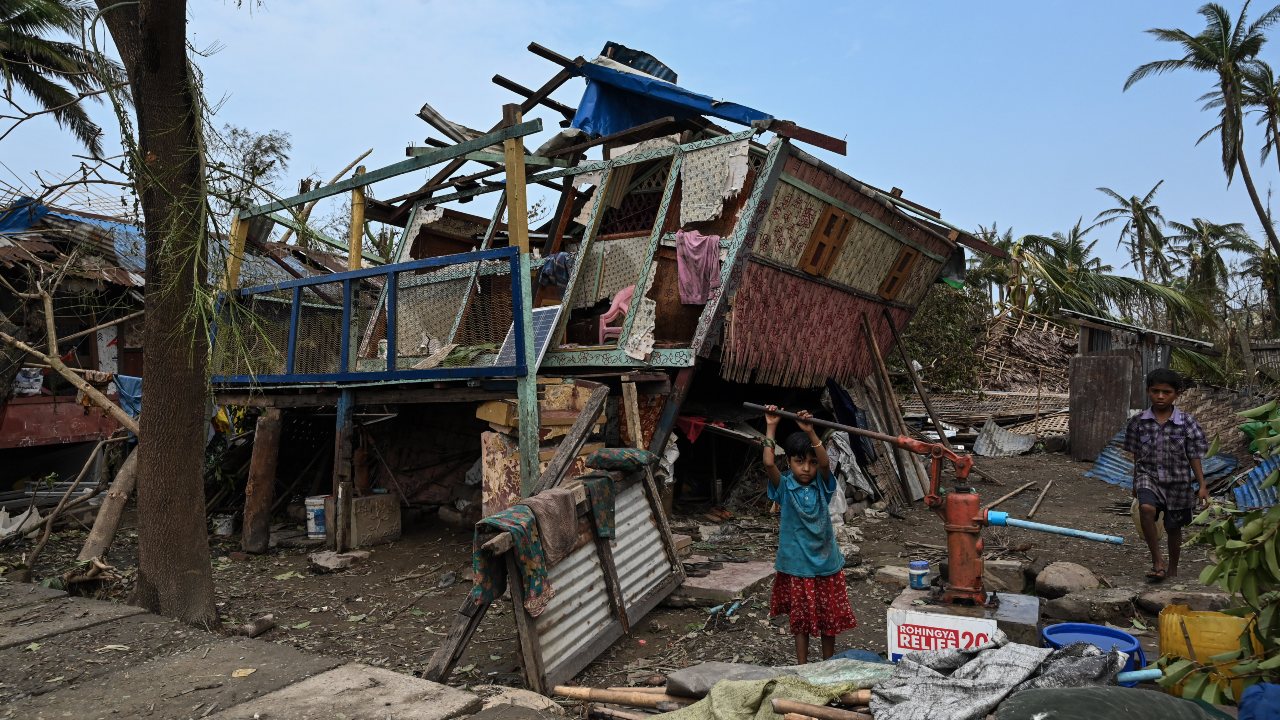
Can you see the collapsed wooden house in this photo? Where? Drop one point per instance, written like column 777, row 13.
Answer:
column 685, row 250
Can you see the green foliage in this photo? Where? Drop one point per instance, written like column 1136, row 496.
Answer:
column 941, row 337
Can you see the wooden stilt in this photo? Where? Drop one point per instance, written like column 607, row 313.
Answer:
column 259, row 493
column 342, row 473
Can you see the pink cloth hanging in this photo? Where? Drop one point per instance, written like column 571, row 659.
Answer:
column 698, row 266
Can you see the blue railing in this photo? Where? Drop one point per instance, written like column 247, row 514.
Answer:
column 344, row 372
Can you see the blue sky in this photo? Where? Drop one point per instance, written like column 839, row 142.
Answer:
column 991, row 111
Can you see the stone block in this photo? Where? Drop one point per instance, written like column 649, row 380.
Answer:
column 375, row 519
column 1153, row 601
column 733, row 581
column 358, row 692
column 1004, row 576
column 1061, row 578
column 1099, row 605
column 893, row 576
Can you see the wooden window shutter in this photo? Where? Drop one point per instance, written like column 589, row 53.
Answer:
column 826, row 241
column 899, row 273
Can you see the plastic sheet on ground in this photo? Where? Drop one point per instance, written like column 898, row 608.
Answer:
column 995, row 441
column 749, row 699
column 969, row 684
column 697, row 680
column 1099, row 703
column 1114, row 466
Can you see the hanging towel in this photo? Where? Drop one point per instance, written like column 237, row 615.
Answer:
column 557, row 515
column 698, row 266
column 491, row 572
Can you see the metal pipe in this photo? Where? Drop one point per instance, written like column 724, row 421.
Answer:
column 1133, row 676
column 1000, row 519
column 824, row 423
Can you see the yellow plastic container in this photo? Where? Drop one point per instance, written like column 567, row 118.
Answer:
column 1211, row 633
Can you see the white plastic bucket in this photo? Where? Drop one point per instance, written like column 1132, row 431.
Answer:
column 315, row 516
column 224, row 525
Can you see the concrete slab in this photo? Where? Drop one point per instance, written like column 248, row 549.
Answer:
column 1004, row 576
column 733, row 581
column 16, row 595
column 24, row 625
column 186, row 685
column 75, row 657
column 515, row 712
column 358, row 692
column 893, row 576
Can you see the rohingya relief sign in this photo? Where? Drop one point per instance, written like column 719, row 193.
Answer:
column 911, row 631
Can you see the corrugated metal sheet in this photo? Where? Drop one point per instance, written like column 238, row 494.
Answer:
column 995, row 441
column 578, row 614
column 1114, row 466
column 637, row 549
column 1249, row 493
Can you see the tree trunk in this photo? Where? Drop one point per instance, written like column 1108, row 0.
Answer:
column 174, row 573
column 108, row 519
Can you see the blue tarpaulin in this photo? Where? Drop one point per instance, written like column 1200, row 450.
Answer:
column 616, row 101
column 1114, row 466
column 130, row 389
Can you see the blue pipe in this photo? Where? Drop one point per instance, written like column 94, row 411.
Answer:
column 1135, row 676
column 998, row 518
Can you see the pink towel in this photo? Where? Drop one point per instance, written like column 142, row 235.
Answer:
column 698, row 266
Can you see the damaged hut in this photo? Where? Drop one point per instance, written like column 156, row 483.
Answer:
column 482, row 360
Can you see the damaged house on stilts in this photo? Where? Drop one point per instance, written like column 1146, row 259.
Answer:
column 482, row 361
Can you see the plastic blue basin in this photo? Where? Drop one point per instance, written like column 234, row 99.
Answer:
column 1104, row 638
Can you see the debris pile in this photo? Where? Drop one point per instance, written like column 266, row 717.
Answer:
column 1027, row 354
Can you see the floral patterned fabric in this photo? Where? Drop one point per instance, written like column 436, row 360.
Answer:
column 817, row 606
column 624, row 459
column 600, row 493
column 491, row 572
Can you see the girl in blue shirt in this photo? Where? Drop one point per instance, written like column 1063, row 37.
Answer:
column 809, row 585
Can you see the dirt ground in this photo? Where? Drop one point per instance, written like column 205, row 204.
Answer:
column 392, row 609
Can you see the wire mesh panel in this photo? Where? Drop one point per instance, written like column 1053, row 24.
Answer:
column 447, row 315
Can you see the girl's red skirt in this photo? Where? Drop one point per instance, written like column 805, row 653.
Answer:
column 816, row 606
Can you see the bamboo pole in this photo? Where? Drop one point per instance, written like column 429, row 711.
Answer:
column 619, row 697
column 356, row 237
column 1040, row 499
column 1006, row 496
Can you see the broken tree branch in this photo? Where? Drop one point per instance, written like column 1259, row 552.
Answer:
column 306, row 209
column 1006, row 496
column 108, row 518
column 63, row 503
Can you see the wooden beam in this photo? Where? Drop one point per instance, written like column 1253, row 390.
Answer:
column 489, row 157
column 259, row 492
column 788, row 129
column 235, row 255
column 552, row 55
column 526, row 93
column 404, row 166
column 547, row 88
column 300, row 228
column 517, row 194
column 356, row 240
column 638, row 133
column 573, row 440
column 631, row 410
column 465, row 624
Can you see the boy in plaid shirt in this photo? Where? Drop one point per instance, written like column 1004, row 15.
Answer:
column 1168, row 446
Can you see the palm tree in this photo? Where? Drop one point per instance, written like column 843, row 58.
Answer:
column 57, row 74
column 1262, row 93
column 1200, row 249
column 1140, row 233
column 1262, row 264
column 1059, row 272
column 988, row 271
column 1223, row 49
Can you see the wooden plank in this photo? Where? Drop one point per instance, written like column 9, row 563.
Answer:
column 612, row 583
column 455, row 643
column 572, row 443
column 631, row 407
column 1100, row 390
column 259, row 492
column 789, row 129
column 656, row 503
column 526, row 630
column 912, row 477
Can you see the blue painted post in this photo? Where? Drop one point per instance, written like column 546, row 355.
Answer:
column 342, row 472
column 518, row 231
column 295, row 313
column 391, row 322
column 344, row 347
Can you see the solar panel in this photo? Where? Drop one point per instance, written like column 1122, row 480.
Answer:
column 544, row 323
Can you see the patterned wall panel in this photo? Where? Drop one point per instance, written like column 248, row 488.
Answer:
column 788, row 225
column 613, row 265
column 866, row 258
column 919, row 281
